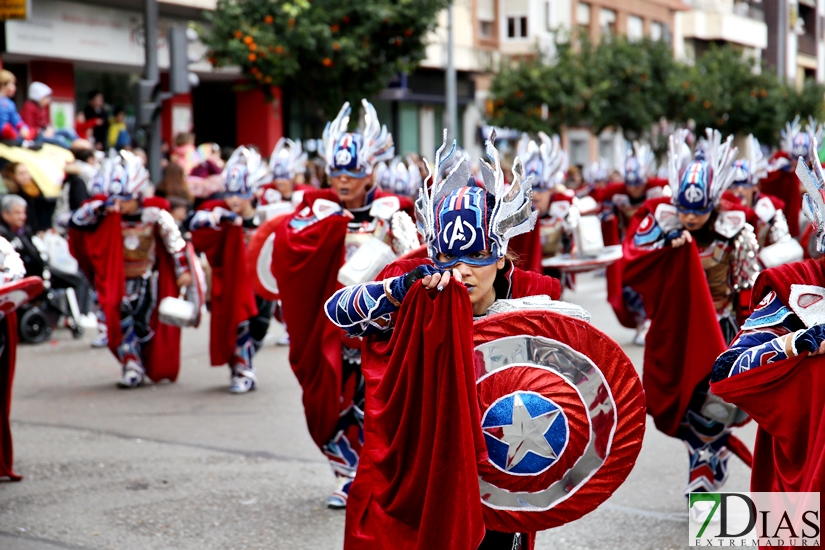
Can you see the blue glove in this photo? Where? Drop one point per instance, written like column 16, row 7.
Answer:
column 228, row 217
column 810, row 339
column 673, row 235
column 401, row 285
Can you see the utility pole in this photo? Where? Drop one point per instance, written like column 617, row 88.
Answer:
column 152, row 74
column 451, row 100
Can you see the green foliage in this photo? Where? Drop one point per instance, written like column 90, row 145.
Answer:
column 634, row 85
column 326, row 51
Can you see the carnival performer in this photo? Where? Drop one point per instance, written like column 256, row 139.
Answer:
column 346, row 232
column 763, row 212
column 283, row 193
column 222, row 230
column 423, row 440
column 777, row 357
column 693, row 265
column 12, row 281
column 595, row 175
column 400, row 177
column 781, row 181
column 132, row 249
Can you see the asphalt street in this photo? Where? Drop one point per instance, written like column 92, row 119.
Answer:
column 186, row 465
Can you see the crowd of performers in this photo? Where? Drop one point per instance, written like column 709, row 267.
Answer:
column 405, row 289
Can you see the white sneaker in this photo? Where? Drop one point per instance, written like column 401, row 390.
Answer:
column 88, row 321
column 283, row 340
column 338, row 499
column 243, row 380
column 700, row 510
column 132, row 375
column 641, row 333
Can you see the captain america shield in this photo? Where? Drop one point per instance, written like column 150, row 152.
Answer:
column 259, row 259
column 563, row 417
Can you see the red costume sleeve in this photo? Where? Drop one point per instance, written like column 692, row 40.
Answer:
column 529, row 283
column 787, row 401
column 7, row 362
column 608, row 192
column 306, row 264
column 417, row 484
column 233, row 300
column 784, row 185
column 684, row 337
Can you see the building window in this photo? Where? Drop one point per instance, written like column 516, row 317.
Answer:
column 657, row 30
column 583, row 18
column 635, row 28
column 516, row 27
column 486, row 17
column 607, row 21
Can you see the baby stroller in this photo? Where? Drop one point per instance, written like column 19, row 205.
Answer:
column 59, row 300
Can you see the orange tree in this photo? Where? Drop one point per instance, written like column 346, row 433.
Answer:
column 325, row 51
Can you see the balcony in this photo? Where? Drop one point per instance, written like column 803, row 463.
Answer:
column 725, row 23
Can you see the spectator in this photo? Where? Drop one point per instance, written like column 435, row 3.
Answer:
column 12, row 127
column 84, row 127
column 212, row 162
column 79, row 173
column 13, row 228
column 36, row 115
column 95, row 111
column 118, row 133
column 179, row 208
column 19, row 181
column 185, row 152
column 174, row 184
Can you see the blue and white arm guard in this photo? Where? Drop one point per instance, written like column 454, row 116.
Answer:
column 771, row 334
column 649, row 234
column 366, row 308
column 211, row 218
column 89, row 214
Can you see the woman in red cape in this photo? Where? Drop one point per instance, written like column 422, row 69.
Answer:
column 417, row 485
column 774, row 368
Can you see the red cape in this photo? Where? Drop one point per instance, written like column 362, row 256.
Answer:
column 786, row 399
column 613, row 276
column 233, row 300
column 684, row 338
column 306, row 264
column 417, row 482
column 100, row 254
column 785, row 186
column 732, row 202
column 7, row 362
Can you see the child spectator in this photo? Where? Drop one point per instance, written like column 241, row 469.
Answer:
column 12, row 127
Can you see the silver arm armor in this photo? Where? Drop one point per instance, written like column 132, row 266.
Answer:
column 404, row 233
column 778, row 231
column 745, row 266
column 11, row 265
column 170, row 233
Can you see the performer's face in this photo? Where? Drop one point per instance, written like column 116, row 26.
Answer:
column 541, row 201
column 635, row 191
column 351, row 191
column 130, row 206
column 744, row 193
column 240, row 206
column 694, row 222
column 479, row 282
column 284, row 187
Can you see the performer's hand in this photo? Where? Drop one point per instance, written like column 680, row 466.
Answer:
column 185, row 280
column 811, row 340
column 417, row 274
column 439, row 281
column 683, row 239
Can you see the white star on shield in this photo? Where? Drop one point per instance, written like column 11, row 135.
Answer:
column 526, row 434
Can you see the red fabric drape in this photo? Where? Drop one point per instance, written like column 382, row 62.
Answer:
column 613, row 276
column 305, row 264
column 684, row 338
column 100, row 254
column 417, row 484
column 233, row 300
column 784, row 185
column 7, row 364
column 528, row 247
